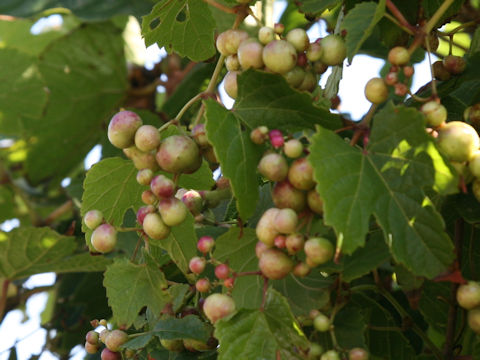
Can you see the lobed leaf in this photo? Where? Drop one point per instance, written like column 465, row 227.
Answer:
column 189, row 327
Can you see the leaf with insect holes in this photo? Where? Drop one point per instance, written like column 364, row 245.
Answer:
column 387, row 180
column 183, row 26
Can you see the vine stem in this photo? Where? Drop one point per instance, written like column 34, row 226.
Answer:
column 398, row 15
column 404, row 314
column 436, row 17
column 61, row 210
column 3, row 297
column 219, row 6
column 434, row 82
column 396, row 22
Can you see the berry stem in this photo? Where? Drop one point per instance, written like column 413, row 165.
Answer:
column 400, row 25
column 434, row 82
column 219, row 6
column 61, row 210
column 264, row 293
column 399, row 16
column 127, row 229
column 134, row 254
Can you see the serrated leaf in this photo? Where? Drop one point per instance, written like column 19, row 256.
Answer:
column 387, row 182
column 26, row 251
column 178, row 293
column 253, row 334
column 181, row 244
column 317, row 6
column 130, row 287
column 189, row 327
column 267, row 99
column 111, row 187
column 183, row 26
column 359, row 24
column 237, row 154
column 87, row 9
column 138, row 342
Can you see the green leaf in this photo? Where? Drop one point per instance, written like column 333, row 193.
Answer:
column 359, row 24
column 130, row 287
column 237, row 154
column 181, row 244
column 202, row 179
column 7, row 203
column 253, row 334
column 385, row 344
column 475, row 45
column 111, row 187
column 189, row 327
column 350, row 326
column 87, row 9
column 183, row 26
column 387, row 182
column 435, row 312
column 26, row 251
column 431, row 6
column 317, row 6
column 138, row 342
column 267, row 99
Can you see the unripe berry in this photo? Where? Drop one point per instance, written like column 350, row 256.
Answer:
column 232, row 63
column 266, row 35
column 295, row 76
column 273, row 166
column 260, row 247
column 173, row 211
column 285, row 195
column 315, row 351
column 197, row 264
column 199, row 134
column 300, row 174
column 154, row 227
column 104, row 333
column 294, row 243
column 265, row 229
column 330, row 355
column 110, row 355
column 474, row 320
column 218, row 306
column 279, row 28
column 319, row 250
column 358, row 354
column 376, row 91
column 148, row 197
column 147, row 138
column 457, row 140
column 321, row 323
column 115, row 339
column 293, row 148
column 144, row 211
column 279, row 56
column 92, row 337
column 193, row 201
column 391, row 78
column 408, row 71
column 162, row 186
column 205, row 244
column 440, row 72
column 144, row 176
column 122, row 128
column 301, row 270
column 276, row 138
column 229, row 282
column 172, row 345
column 398, row 56
column 334, row 50
column 250, row 54
column 274, row 264
column 315, row 202
column 319, row 67
column 202, row 285
column 401, row 89
column 285, row 221
column 91, row 348
column 259, row 135
column 314, row 52
column 179, row 154
column 104, row 238
column 222, row 271
column 299, row 39
column 141, row 160
column 309, row 82
column 454, row 64
column 468, row 295
column 474, row 164
column 230, row 84
column 435, row 113
column 229, row 41
column 280, row 241
column 93, row 218
column 476, row 189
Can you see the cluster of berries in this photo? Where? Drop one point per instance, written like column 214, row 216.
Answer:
column 293, row 55
column 112, row 339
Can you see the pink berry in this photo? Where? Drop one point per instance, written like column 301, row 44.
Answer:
column 162, row 186
column 197, row 264
column 122, row 128
column 205, row 244
column 276, row 138
column 144, row 211
column 222, row 271
column 202, row 285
